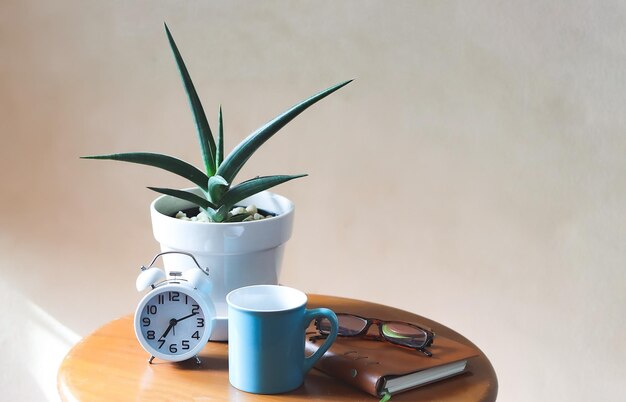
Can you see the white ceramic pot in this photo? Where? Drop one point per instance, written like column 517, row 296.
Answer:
column 237, row 254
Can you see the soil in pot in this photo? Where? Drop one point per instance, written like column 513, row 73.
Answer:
column 257, row 213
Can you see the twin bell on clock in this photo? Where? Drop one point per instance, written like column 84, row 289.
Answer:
column 173, row 321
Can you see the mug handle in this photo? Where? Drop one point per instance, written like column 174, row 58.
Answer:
column 309, row 316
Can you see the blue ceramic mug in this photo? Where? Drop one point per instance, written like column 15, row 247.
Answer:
column 266, row 335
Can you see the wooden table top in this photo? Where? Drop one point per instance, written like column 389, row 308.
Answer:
column 110, row 365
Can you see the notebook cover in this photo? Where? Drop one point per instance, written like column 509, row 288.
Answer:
column 365, row 364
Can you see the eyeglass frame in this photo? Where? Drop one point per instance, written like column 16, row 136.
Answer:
column 430, row 334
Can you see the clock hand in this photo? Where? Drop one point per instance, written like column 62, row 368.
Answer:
column 185, row 317
column 173, row 323
column 169, row 327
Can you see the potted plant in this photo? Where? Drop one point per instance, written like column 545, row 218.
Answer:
column 240, row 229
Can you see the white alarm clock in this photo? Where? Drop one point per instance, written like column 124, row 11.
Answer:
column 174, row 319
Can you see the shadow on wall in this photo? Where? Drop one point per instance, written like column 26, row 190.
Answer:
column 33, row 344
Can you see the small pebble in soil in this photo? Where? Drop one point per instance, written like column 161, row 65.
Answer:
column 251, row 210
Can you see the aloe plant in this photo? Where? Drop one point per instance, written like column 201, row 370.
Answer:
column 216, row 179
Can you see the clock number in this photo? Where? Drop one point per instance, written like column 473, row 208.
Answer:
column 161, row 343
column 174, row 296
column 195, row 335
column 151, row 309
column 150, row 335
column 146, row 321
column 200, row 322
column 173, row 348
column 195, row 309
column 161, row 299
column 185, row 344
column 186, row 299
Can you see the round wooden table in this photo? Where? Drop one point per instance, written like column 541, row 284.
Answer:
column 110, row 365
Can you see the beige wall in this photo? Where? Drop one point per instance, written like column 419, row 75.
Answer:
column 472, row 173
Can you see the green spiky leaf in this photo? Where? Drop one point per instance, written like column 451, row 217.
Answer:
column 187, row 196
column 217, row 187
column 207, row 144
column 238, row 157
column 161, row 161
column 219, row 152
column 250, row 187
column 238, row 217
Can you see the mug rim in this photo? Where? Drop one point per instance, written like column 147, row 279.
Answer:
column 233, row 294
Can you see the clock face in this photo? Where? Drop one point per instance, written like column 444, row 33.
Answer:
column 171, row 324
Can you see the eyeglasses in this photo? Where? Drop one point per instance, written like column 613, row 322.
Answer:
column 397, row 332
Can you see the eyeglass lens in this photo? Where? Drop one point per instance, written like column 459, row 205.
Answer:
column 404, row 334
column 349, row 325
column 395, row 332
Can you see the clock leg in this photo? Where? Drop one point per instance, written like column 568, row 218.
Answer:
column 150, row 360
column 198, row 361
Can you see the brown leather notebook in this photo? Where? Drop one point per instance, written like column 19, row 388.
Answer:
column 378, row 367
